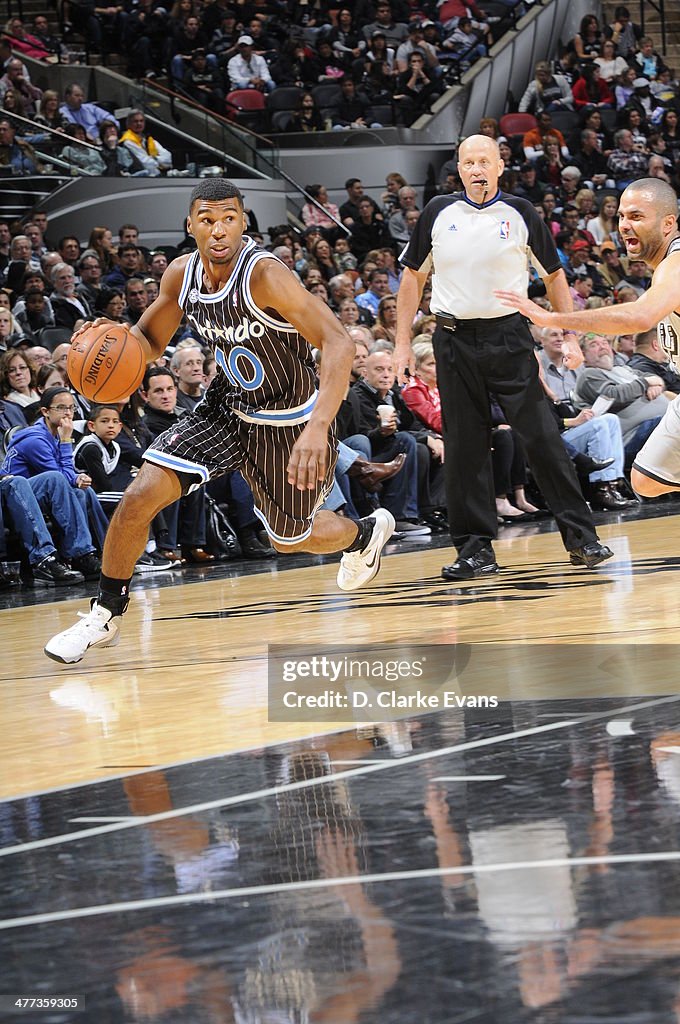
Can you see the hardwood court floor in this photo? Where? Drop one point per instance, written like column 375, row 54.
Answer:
column 189, row 678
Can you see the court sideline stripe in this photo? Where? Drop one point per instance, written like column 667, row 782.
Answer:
column 323, row 883
column 240, row 798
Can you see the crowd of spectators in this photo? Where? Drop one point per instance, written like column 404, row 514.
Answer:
column 347, row 253
column 381, row 62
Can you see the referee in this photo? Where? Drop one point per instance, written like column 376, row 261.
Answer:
column 472, row 241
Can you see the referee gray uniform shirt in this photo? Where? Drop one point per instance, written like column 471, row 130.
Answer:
column 473, row 249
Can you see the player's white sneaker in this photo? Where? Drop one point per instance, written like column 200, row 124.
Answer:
column 97, row 628
column 359, row 567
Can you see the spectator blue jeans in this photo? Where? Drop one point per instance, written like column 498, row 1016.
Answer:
column 600, row 438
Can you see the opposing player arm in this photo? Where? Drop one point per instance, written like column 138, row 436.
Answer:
column 159, row 322
column 629, row 318
column 273, row 287
column 408, row 297
column 559, row 296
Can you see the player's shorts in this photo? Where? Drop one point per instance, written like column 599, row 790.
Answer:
column 659, row 457
column 203, row 445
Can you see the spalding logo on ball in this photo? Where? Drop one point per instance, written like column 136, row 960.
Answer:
column 106, row 363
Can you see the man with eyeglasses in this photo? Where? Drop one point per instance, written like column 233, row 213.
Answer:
column 90, row 271
column 47, row 446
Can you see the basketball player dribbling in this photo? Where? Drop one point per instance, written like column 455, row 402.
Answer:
column 262, row 414
column 648, row 225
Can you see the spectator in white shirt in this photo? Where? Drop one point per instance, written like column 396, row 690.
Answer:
column 248, row 70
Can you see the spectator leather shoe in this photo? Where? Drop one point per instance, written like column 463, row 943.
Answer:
column 197, row 556
column 591, row 554
column 482, row 563
column 607, row 498
column 372, row 475
column 585, row 464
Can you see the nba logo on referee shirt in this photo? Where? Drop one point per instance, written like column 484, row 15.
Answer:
column 505, row 229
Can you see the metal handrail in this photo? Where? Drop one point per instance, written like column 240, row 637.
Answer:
column 42, row 128
column 275, row 168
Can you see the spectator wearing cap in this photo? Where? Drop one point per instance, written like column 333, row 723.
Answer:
column 642, row 100
column 377, row 52
column 204, row 83
column 527, row 186
column 582, row 265
column 638, row 276
column 625, row 163
column 247, row 70
column 432, row 33
column 416, row 41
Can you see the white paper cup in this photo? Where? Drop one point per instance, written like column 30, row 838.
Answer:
column 385, row 413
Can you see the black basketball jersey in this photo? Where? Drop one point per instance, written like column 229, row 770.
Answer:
column 265, row 370
column 668, row 331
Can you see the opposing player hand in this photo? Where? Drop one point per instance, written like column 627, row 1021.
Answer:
column 572, row 356
column 308, row 459
column 404, row 360
column 525, row 306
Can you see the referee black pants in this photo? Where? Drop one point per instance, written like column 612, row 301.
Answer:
column 483, row 356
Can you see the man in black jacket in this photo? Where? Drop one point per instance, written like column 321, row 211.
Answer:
column 650, row 357
column 390, row 434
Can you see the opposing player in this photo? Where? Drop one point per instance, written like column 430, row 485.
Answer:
column 262, row 414
column 648, row 225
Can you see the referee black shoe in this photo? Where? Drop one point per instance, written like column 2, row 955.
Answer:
column 591, row 554
column 482, row 563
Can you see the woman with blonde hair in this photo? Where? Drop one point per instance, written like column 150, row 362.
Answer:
column 425, row 324
column 49, row 114
column 604, row 227
column 585, row 201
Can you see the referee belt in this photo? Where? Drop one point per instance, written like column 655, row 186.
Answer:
column 452, row 323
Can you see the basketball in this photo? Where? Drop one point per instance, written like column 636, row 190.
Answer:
column 106, row 363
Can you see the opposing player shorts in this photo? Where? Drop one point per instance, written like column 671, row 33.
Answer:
column 659, row 457
column 203, row 445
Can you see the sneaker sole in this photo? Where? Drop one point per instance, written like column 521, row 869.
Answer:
column 112, row 642
column 488, row 570
column 388, row 530
column 152, row 568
